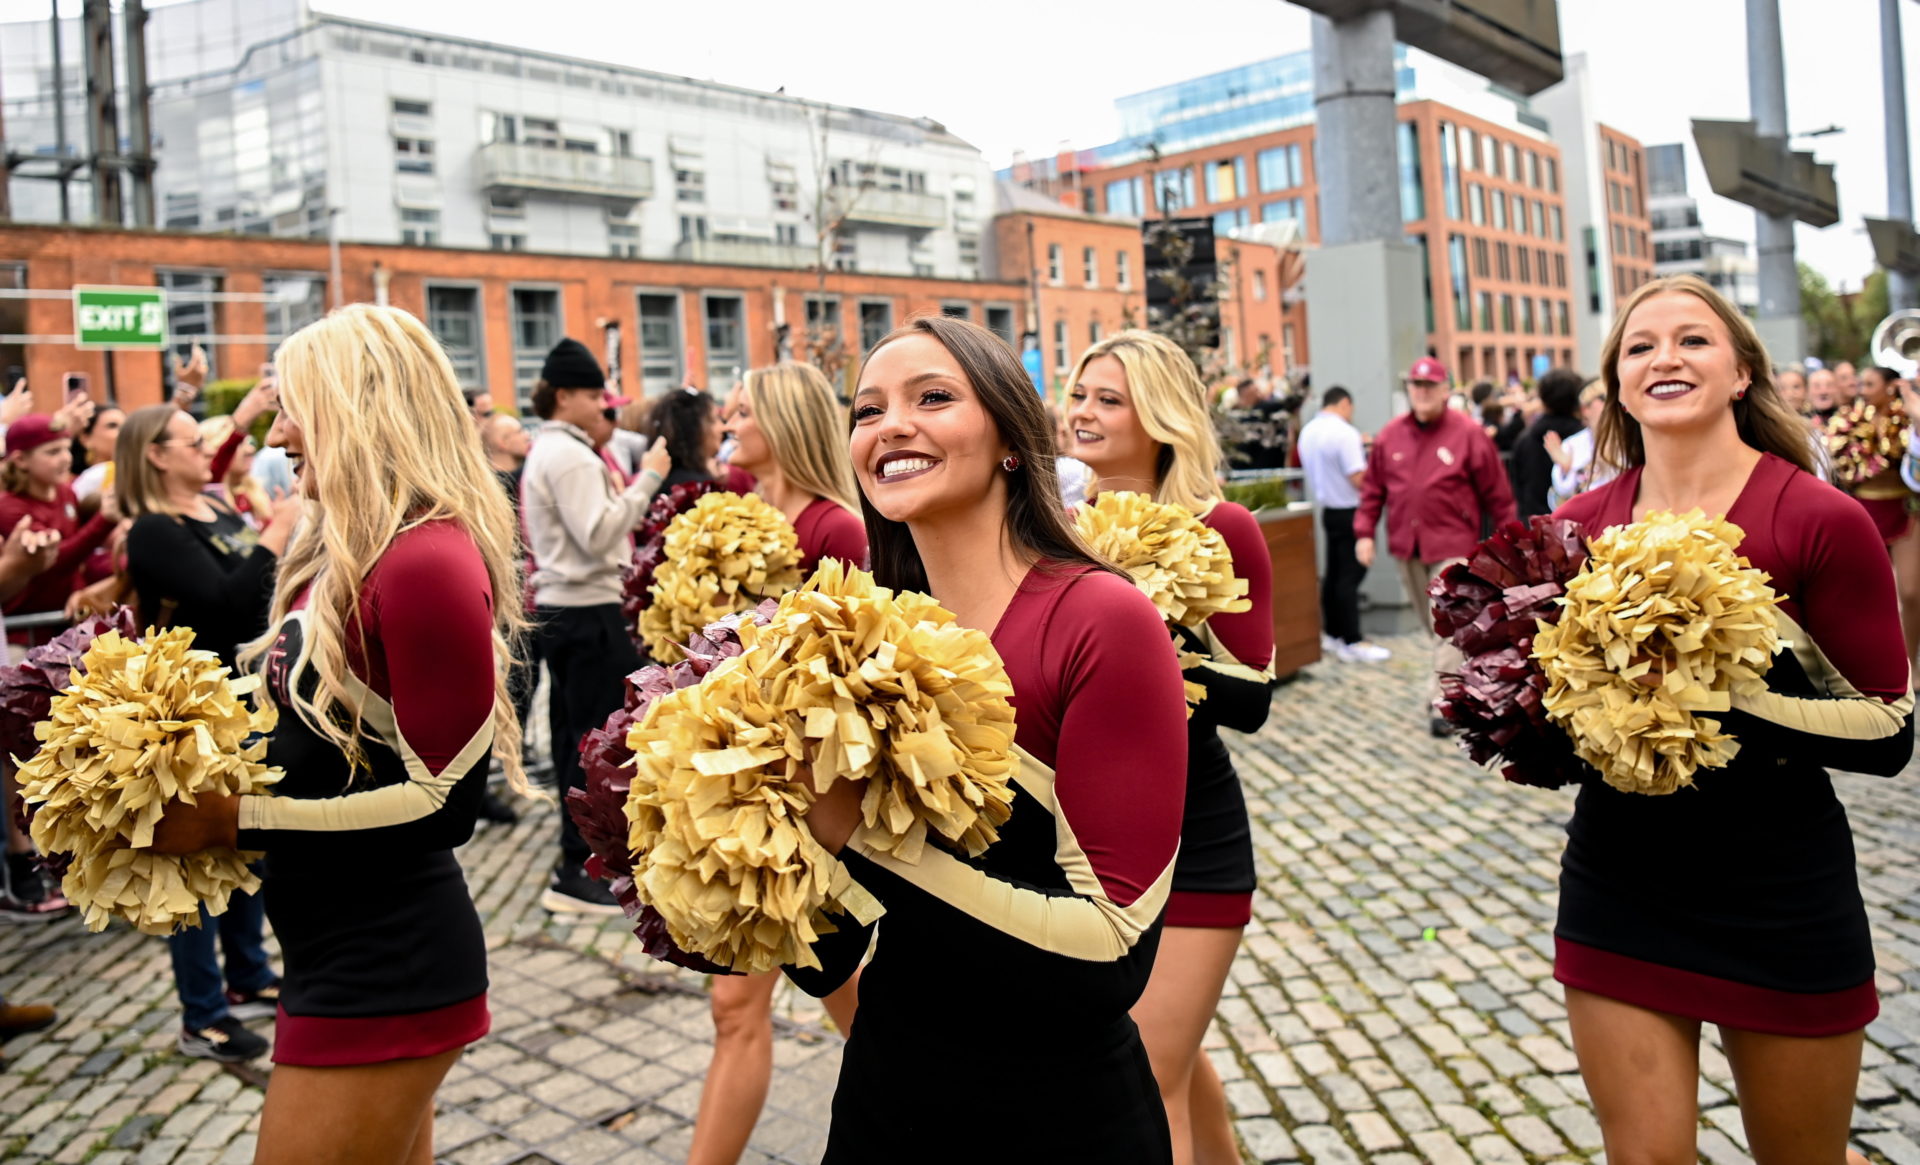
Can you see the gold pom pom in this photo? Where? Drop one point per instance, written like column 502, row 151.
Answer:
column 847, row 681
column 1179, row 562
column 1663, row 624
column 724, row 555
column 149, row 724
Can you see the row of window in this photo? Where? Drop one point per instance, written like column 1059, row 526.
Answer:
column 1505, row 160
column 1089, row 267
column 1510, row 263
column 1623, row 198
column 292, row 301
column 1631, row 243
column 1622, row 159
column 1550, row 320
column 1496, row 208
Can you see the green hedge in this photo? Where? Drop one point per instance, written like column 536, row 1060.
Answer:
column 1272, row 493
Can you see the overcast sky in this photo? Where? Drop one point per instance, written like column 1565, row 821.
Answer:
column 1031, row 74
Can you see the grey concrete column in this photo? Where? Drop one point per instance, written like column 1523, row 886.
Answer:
column 1353, row 105
column 1779, row 319
column 1902, row 291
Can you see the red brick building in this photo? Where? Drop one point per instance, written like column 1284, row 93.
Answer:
column 1624, row 169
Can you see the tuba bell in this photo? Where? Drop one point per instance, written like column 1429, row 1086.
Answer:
column 1896, row 342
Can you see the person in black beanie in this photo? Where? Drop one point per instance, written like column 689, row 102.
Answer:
column 578, row 523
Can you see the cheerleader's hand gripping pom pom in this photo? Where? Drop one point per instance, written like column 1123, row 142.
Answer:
column 842, row 680
column 1491, row 606
column 722, row 556
column 1664, row 625
column 149, row 724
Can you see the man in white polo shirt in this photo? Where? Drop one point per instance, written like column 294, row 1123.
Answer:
column 1334, row 458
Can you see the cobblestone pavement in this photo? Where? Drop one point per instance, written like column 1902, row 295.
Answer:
column 1393, row 1002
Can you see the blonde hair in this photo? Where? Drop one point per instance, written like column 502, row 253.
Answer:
column 1172, row 406
column 215, row 431
column 1592, row 391
column 138, row 485
column 805, row 427
column 391, row 446
column 1762, row 416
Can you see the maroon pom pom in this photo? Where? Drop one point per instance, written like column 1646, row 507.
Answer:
column 599, row 809
column 1489, row 607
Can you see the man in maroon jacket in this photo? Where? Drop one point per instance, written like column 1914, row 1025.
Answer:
column 1437, row 474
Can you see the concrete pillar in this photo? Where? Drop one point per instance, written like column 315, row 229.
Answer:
column 1779, row 322
column 1353, row 106
column 1903, row 290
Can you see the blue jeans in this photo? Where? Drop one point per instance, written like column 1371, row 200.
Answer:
column 196, row 972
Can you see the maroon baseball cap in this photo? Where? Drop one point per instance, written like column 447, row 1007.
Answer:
column 30, row 432
column 1427, row 368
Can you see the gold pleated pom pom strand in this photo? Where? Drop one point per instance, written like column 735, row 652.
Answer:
column 722, row 556
column 1663, row 625
column 1177, row 560
column 151, row 723
column 846, row 681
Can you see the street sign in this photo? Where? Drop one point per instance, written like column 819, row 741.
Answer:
column 1515, row 43
column 119, row 318
column 1764, row 174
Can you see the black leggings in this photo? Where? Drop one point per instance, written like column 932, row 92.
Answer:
column 588, row 655
column 1340, row 586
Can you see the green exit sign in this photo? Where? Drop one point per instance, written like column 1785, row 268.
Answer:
column 119, row 317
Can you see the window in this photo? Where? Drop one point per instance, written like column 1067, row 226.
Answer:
column 508, row 242
column 536, row 329
column 1476, row 204
column 1553, row 176
column 453, row 315
column 1526, row 314
column 1540, row 265
column 1413, row 199
column 726, row 340
column 787, row 234
column 1499, row 209
column 1546, row 316
column 1173, row 190
column 1559, row 270
column 1493, row 151
column 1259, row 287
column 1061, row 356
column 1559, row 225
column 1486, row 311
column 1279, row 169
column 404, row 108
column 693, row 228
column 1533, row 169
column 957, row 311
column 1093, row 332
column 1457, row 270
column 1519, row 215
column 662, row 361
column 1470, row 150
column 1123, row 270
column 1503, row 258
column 192, row 314
column 1506, row 314
column 1513, row 162
column 876, row 320
column 1526, row 265
column 1124, row 198
column 1226, row 179
column 690, row 185
column 1450, row 169
column 1056, row 262
column 419, row 228
column 293, row 302
column 1287, row 345
column 541, row 131
column 1090, row 266
column 506, row 204
column 1000, row 323
column 413, row 155
column 1561, row 310
column 1285, row 210
column 1228, row 221
column 1480, row 258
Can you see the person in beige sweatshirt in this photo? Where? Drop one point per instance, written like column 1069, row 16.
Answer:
column 579, row 521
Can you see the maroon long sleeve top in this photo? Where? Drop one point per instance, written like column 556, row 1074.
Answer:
column 1436, row 482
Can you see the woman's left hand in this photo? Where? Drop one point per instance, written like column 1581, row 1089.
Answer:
column 212, row 822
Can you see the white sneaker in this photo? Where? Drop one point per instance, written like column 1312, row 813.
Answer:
column 1363, row 652
column 1329, row 645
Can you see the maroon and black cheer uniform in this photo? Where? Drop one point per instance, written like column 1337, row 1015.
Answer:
column 827, row 529
column 1736, row 902
column 1213, row 878
column 384, row 955
column 1014, row 971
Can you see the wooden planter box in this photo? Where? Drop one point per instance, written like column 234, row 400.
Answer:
column 1289, row 533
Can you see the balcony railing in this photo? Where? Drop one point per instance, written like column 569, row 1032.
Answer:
column 897, row 208
column 744, row 253
column 518, row 166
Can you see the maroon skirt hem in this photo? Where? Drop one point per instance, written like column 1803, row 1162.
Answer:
column 1203, row 911
column 1741, row 1006
column 335, row 1041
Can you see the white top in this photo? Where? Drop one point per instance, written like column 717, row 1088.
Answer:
column 1075, row 476
column 1331, row 451
column 90, row 479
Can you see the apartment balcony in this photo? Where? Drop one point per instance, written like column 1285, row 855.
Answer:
column 519, row 166
column 744, row 253
column 893, row 208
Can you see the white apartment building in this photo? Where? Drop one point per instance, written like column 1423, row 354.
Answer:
column 271, row 118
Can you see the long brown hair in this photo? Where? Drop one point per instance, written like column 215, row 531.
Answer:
column 1763, row 418
column 1036, row 519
